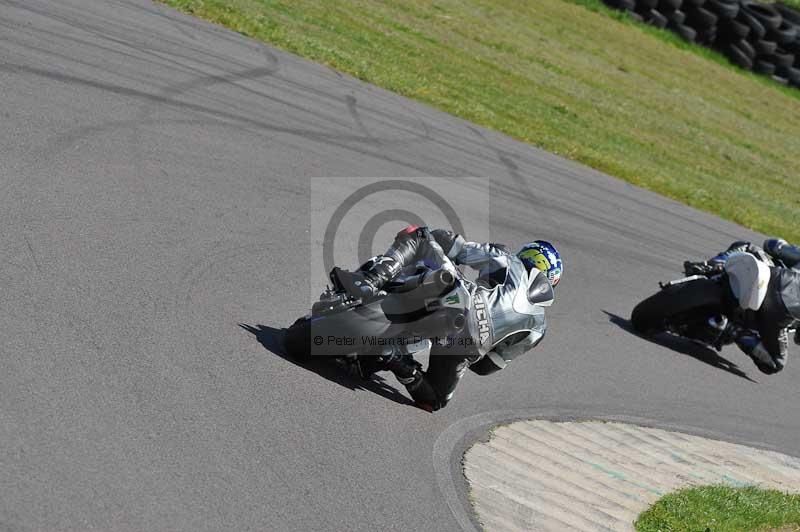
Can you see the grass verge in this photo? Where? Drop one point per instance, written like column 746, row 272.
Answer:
column 570, row 76
column 722, row 509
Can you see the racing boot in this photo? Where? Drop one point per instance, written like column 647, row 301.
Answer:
column 390, row 358
column 376, row 272
column 753, row 348
column 369, row 279
column 407, row 370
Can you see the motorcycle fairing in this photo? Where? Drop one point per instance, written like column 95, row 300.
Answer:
column 749, row 278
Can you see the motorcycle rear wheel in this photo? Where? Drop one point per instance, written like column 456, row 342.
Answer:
column 652, row 315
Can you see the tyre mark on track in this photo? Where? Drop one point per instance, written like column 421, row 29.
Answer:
column 33, row 254
column 146, row 47
column 345, row 141
column 352, row 108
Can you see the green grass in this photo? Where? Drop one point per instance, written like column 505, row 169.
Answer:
column 722, row 509
column 570, row 76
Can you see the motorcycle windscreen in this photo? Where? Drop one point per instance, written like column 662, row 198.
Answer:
column 749, row 279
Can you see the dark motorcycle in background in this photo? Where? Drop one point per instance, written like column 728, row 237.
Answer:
column 713, row 308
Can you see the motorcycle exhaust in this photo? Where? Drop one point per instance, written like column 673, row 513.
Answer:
column 431, row 283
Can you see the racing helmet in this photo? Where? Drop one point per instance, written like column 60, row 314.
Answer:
column 544, row 257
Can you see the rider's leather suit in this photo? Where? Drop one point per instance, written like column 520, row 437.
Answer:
column 505, row 320
column 768, row 344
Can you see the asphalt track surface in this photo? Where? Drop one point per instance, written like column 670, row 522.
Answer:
column 155, row 194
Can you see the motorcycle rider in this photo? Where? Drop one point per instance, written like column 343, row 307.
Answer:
column 507, row 314
column 767, row 341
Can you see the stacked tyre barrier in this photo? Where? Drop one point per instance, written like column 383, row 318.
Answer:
column 764, row 38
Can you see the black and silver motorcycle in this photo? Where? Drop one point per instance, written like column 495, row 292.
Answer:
column 417, row 306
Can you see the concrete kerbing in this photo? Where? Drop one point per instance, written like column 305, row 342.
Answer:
column 596, row 475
